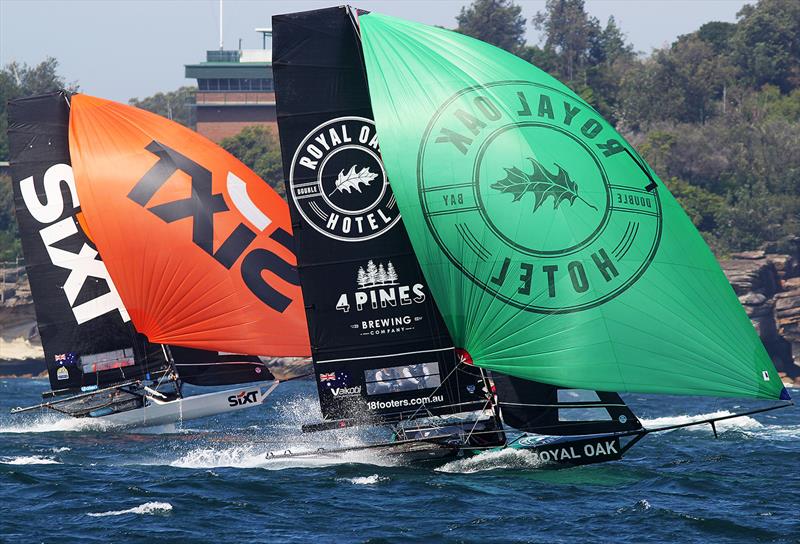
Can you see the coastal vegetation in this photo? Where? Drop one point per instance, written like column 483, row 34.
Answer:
column 716, row 113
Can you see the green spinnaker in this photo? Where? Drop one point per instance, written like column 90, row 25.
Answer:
column 551, row 249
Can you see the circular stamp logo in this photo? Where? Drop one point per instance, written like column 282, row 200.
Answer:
column 533, row 196
column 338, row 183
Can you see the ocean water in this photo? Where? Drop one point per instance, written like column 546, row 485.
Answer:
column 210, row 481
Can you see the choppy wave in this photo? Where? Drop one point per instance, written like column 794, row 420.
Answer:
column 146, row 508
column 287, row 446
column 508, row 458
column 741, row 423
column 745, row 425
column 299, row 455
column 366, row 480
column 52, row 423
column 29, row 460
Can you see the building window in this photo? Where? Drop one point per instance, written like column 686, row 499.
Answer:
column 235, row 84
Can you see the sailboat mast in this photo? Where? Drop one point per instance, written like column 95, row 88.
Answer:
column 221, row 42
column 173, row 369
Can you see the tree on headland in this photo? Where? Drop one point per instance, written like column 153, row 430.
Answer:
column 569, row 33
column 766, row 43
column 10, row 246
column 18, row 80
column 582, row 53
column 258, row 148
column 498, row 22
column 176, row 105
column 716, row 113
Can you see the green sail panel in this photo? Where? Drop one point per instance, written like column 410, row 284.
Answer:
column 552, row 250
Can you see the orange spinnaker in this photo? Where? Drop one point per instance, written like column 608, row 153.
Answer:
column 197, row 244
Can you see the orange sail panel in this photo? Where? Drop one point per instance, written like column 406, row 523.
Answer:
column 200, row 247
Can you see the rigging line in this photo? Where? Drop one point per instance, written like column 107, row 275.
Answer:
column 388, row 355
column 485, row 406
column 569, row 405
column 432, row 393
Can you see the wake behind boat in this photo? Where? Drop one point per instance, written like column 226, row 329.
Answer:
column 138, row 286
column 539, row 267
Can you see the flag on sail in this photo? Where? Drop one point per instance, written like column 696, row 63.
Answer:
column 199, row 247
column 552, row 249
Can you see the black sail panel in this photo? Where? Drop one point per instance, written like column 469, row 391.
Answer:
column 86, row 333
column 547, row 409
column 378, row 340
column 210, row 368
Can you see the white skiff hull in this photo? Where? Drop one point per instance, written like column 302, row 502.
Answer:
column 159, row 412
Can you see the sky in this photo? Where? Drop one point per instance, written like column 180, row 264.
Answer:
column 120, row 49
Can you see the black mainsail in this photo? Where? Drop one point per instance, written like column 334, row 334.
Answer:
column 86, row 332
column 378, row 341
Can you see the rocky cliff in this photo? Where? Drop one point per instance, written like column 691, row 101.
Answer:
column 19, row 336
column 767, row 282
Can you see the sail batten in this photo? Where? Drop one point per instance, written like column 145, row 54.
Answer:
column 553, row 251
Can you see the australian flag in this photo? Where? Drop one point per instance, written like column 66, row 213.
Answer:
column 66, row 359
column 335, row 379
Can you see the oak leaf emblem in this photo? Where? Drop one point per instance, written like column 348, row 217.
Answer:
column 542, row 183
column 354, row 180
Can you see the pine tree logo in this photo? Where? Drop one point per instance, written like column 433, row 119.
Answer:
column 376, row 276
column 542, row 184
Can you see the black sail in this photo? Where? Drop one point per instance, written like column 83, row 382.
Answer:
column 547, row 409
column 208, row 368
column 87, row 336
column 378, row 340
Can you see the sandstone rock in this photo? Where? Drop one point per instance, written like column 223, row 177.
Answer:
column 756, row 254
column 751, row 275
column 787, row 318
column 765, row 326
column 753, row 299
column 787, row 266
column 767, row 308
column 791, row 284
